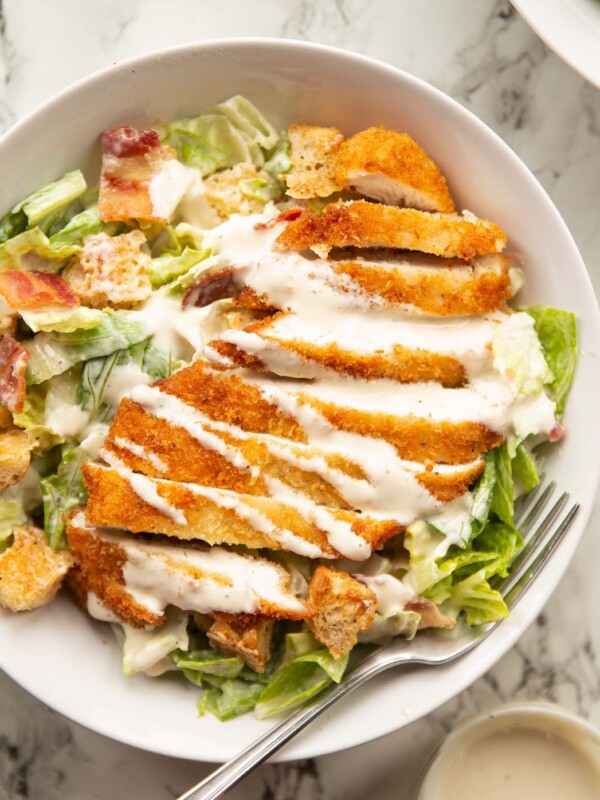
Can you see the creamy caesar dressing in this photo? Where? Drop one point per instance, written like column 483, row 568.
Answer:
column 98, row 611
column 392, row 594
column 328, row 308
column 390, row 490
column 141, row 452
column 524, row 763
column 122, row 379
column 168, row 186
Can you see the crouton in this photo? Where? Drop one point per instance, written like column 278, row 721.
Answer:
column 312, row 155
column 243, row 635
column 6, row 419
column 111, row 271
column 391, row 167
column 224, row 191
column 31, row 571
column 15, row 454
column 363, row 224
column 342, row 608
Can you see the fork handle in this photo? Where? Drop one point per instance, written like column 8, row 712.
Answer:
column 226, row 777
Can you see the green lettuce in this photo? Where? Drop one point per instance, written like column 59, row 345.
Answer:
column 97, row 371
column 47, row 208
column 524, row 470
column 16, row 505
column 480, row 603
column 518, row 355
column 85, row 223
column 168, row 267
column 231, row 699
column 61, row 492
column 149, row 650
column 32, row 418
column 300, row 678
column 557, row 331
column 53, row 353
column 227, row 134
column 33, row 250
column 209, row 662
column 62, row 320
column 279, row 161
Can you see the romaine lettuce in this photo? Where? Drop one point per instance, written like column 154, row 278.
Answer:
column 557, row 331
column 519, row 357
column 32, row 418
column 167, row 267
column 33, row 250
column 232, row 698
column 83, row 224
column 49, row 206
column 300, row 679
column 53, row 353
column 61, row 492
column 62, row 320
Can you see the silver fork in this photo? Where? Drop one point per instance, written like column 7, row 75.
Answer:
column 431, row 649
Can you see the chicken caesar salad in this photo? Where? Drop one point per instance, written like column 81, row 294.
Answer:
column 265, row 397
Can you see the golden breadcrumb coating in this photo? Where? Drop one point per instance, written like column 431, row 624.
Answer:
column 363, row 224
column 391, row 167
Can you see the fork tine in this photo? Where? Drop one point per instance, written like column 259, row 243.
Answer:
column 537, row 509
column 516, row 588
column 524, row 502
column 536, row 537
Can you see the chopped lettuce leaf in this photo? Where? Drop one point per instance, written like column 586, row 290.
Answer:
column 483, row 494
column 54, row 353
column 83, row 224
column 33, row 250
column 519, row 357
column 168, row 267
column 503, row 494
column 209, row 662
column 298, row 680
column 557, row 331
column 402, row 623
column 524, row 470
column 480, row 603
column 227, row 134
column 12, row 514
column 262, row 188
column 233, row 698
column 279, row 161
column 61, row 492
column 51, row 199
column 62, row 320
column 32, row 418
column 48, row 207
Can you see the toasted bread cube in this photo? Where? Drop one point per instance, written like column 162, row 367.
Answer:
column 342, row 608
column 15, row 454
column 111, row 271
column 243, row 635
column 391, row 167
column 224, row 192
column 31, row 571
column 312, row 153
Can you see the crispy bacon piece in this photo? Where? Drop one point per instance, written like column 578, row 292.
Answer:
column 128, row 142
column 28, row 289
column 217, row 285
column 557, row 432
column 13, row 363
column 286, row 216
column 131, row 159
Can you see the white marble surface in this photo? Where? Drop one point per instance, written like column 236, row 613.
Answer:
column 484, row 55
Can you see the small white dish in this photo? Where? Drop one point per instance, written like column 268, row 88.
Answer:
column 521, row 750
column 569, row 27
column 71, row 662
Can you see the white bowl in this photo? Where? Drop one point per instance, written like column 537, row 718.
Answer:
column 555, row 722
column 569, row 27
column 70, row 662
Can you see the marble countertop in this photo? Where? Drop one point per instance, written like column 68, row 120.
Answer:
column 486, row 57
